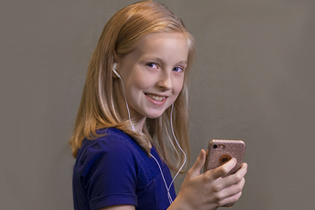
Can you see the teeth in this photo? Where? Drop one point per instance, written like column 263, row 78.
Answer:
column 156, row 98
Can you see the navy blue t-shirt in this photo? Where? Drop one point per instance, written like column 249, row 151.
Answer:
column 114, row 170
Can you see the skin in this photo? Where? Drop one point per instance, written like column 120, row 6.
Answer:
column 157, row 66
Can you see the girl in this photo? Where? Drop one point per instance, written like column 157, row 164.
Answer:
column 133, row 110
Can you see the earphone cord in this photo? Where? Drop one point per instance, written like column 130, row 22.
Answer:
column 122, row 82
column 167, row 189
column 185, row 158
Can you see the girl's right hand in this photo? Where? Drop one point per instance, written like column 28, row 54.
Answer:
column 209, row 190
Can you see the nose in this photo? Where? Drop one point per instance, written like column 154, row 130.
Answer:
column 165, row 80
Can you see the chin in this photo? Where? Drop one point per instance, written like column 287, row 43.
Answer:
column 154, row 115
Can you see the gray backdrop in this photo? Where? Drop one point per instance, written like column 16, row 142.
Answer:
column 253, row 80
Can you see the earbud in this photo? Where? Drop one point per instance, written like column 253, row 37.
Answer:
column 114, row 70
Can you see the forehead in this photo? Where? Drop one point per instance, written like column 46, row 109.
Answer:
column 166, row 45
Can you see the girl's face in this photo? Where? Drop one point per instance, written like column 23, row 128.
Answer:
column 153, row 74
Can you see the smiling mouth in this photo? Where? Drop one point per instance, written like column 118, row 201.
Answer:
column 155, row 97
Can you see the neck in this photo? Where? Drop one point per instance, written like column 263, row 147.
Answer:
column 138, row 124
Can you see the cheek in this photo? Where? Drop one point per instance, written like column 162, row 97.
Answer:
column 178, row 86
column 140, row 82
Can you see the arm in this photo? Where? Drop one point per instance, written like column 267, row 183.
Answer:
column 104, row 183
column 209, row 190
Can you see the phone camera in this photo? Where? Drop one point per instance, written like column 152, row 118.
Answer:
column 215, row 146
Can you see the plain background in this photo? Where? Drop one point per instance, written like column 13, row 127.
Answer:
column 253, row 79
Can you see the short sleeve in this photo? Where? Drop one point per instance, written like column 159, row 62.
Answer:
column 108, row 173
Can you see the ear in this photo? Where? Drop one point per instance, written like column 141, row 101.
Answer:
column 114, row 66
column 114, row 71
column 116, row 58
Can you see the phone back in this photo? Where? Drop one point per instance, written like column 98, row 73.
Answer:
column 221, row 151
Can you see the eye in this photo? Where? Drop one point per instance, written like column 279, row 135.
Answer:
column 152, row 65
column 178, row 69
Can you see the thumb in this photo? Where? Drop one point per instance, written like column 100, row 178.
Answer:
column 196, row 168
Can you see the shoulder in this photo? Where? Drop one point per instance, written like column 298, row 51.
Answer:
column 113, row 147
column 106, row 168
column 111, row 140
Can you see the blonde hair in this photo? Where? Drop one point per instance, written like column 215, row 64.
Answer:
column 98, row 103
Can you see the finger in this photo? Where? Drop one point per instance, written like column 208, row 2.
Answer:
column 196, row 168
column 232, row 179
column 232, row 189
column 239, row 175
column 243, row 170
column 229, row 201
column 224, row 169
column 245, row 165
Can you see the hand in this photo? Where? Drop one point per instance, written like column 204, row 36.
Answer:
column 209, row 190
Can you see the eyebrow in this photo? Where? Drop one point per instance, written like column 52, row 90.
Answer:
column 183, row 62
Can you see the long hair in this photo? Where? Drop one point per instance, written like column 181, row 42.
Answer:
column 98, row 103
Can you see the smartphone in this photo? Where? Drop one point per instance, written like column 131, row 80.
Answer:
column 221, row 151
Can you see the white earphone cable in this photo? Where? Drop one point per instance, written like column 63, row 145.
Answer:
column 122, row 82
column 185, row 158
column 167, row 188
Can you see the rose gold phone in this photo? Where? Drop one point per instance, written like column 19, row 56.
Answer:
column 221, row 151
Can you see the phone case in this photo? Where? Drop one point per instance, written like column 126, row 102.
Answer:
column 221, row 151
